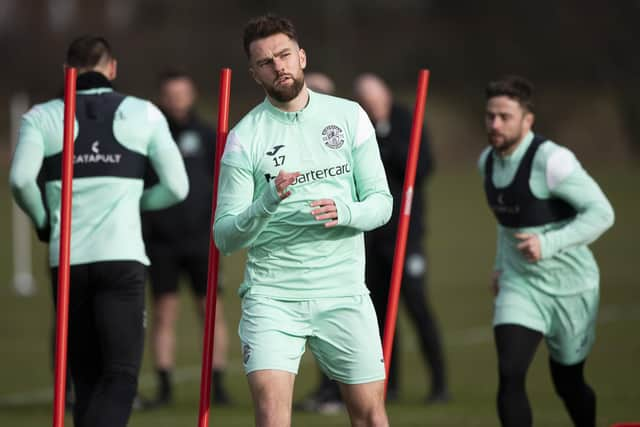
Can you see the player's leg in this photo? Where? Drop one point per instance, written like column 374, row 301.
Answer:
column 221, row 339
column 68, row 387
column 163, row 337
column 520, row 321
column 414, row 298
column 119, row 316
column 578, row 397
column 272, row 394
column 378, row 276
column 325, row 399
column 84, row 355
column 220, row 351
column 69, row 395
column 365, row 403
column 347, row 346
column 164, row 274
column 273, row 337
column 166, row 309
column 569, row 344
column 197, row 266
column 516, row 345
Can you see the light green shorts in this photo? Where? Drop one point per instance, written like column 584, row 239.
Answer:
column 341, row 332
column 568, row 323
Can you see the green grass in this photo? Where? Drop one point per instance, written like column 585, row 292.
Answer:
column 461, row 246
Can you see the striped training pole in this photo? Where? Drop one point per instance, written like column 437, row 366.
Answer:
column 62, row 315
column 214, row 253
column 405, row 215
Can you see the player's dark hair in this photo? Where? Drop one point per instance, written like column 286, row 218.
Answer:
column 87, row 51
column 172, row 74
column 267, row 25
column 514, row 87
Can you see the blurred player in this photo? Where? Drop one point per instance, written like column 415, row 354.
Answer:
column 545, row 278
column 393, row 129
column 177, row 240
column 115, row 137
column 320, row 82
column 301, row 179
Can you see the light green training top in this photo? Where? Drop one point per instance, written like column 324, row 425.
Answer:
column 291, row 256
column 567, row 266
column 105, row 215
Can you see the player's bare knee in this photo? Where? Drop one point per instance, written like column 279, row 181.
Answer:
column 375, row 417
column 371, row 414
column 272, row 413
column 378, row 418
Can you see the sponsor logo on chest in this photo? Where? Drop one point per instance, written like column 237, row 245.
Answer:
column 96, row 156
column 504, row 208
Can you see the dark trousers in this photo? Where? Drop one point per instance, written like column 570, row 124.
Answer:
column 378, row 276
column 105, row 339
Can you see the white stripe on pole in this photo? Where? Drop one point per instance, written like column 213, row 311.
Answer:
column 23, row 282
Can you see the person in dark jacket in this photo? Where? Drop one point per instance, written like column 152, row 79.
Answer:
column 177, row 238
column 393, row 129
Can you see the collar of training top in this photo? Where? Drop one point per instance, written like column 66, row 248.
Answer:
column 291, row 117
column 92, row 80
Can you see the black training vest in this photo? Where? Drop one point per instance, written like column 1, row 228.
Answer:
column 515, row 205
column 97, row 152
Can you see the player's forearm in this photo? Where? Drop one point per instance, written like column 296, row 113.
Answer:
column 162, row 196
column 25, row 166
column 29, row 198
column 373, row 212
column 173, row 185
column 595, row 215
column 234, row 232
column 375, row 203
column 583, row 230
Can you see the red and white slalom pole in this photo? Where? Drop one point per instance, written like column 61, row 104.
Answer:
column 62, row 315
column 403, row 225
column 214, row 253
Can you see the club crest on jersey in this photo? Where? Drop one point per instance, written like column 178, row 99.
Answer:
column 246, row 352
column 333, row 137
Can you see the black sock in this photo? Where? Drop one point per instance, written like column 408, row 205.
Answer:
column 216, row 379
column 164, row 384
column 325, row 381
column 218, row 392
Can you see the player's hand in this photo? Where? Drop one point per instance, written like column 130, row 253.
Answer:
column 283, row 181
column 44, row 233
column 325, row 210
column 529, row 246
column 495, row 282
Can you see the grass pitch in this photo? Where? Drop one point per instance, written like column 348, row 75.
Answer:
column 461, row 245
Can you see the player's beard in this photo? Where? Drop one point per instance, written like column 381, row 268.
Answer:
column 506, row 144
column 286, row 93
